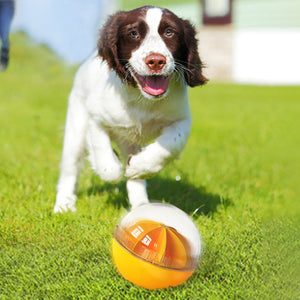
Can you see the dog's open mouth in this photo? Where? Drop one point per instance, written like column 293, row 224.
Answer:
column 154, row 85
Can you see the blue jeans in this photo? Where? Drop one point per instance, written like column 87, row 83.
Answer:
column 7, row 9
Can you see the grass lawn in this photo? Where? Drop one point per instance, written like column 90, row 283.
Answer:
column 239, row 182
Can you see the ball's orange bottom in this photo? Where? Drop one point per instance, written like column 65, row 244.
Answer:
column 143, row 273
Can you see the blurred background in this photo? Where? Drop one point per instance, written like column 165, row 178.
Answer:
column 243, row 41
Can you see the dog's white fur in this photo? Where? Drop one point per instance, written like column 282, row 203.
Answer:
column 102, row 108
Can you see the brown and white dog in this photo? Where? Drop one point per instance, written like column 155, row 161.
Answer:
column 134, row 92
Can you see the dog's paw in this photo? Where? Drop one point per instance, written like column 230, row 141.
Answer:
column 141, row 166
column 108, row 167
column 110, row 171
column 65, row 203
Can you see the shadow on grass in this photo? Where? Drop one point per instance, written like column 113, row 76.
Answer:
column 187, row 197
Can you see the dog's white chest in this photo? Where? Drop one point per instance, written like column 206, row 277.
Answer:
column 140, row 133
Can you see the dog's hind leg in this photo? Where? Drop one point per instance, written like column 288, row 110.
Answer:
column 73, row 149
column 137, row 192
column 136, row 189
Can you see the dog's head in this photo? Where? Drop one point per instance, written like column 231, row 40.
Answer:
column 147, row 46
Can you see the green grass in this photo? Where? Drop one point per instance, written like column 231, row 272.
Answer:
column 239, row 182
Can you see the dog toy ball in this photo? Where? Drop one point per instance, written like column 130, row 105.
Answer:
column 156, row 246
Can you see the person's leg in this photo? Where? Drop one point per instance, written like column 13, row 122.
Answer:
column 6, row 15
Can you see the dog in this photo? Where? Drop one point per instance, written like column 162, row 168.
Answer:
column 134, row 92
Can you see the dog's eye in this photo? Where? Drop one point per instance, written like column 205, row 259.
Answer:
column 169, row 32
column 134, row 34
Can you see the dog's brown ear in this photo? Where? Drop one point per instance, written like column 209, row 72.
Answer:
column 108, row 41
column 193, row 75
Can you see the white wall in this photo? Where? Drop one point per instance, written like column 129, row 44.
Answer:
column 267, row 56
column 68, row 27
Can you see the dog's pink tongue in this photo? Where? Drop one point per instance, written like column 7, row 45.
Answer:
column 155, row 85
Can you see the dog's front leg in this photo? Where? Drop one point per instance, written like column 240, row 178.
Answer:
column 73, row 148
column 157, row 155
column 101, row 155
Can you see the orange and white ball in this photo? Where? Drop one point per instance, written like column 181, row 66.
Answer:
column 156, row 246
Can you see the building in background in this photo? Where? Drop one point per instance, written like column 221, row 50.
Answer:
column 260, row 46
column 217, row 12
column 68, row 27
